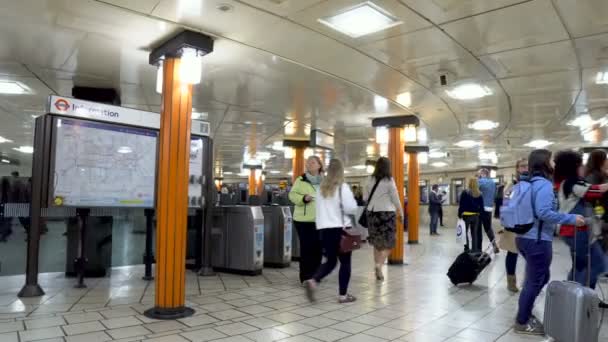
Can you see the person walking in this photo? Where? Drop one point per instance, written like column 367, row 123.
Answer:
column 470, row 207
column 434, row 207
column 335, row 206
column 576, row 197
column 384, row 209
column 302, row 195
column 536, row 245
column 506, row 239
column 488, row 191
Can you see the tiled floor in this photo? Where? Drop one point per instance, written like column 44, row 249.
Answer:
column 416, row 303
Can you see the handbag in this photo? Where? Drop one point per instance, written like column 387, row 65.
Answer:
column 348, row 241
column 364, row 215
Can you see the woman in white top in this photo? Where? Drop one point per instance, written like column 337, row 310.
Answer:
column 335, row 205
column 383, row 207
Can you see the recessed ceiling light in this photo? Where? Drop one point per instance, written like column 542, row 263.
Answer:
column 6, row 161
column 489, row 156
column 602, row 77
column 539, row 143
column 4, row 140
column 274, row 172
column 437, row 154
column 361, row 20
column 467, row 143
column 24, row 149
column 359, row 167
column 483, row 125
column 469, row 91
column 405, row 99
column 13, row 88
column 124, row 149
column 380, row 104
column 228, row 173
column 439, row 164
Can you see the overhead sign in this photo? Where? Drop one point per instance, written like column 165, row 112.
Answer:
column 321, row 139
column 67, row 106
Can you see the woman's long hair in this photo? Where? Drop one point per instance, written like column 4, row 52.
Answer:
column 382, row 169
column 539, row 164
column 474, row 187
column 595, row 163
column 334, row 178
column 566, row 166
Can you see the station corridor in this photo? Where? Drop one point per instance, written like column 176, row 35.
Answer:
column 416, row 303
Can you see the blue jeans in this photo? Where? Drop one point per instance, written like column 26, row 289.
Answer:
column 538, row 256
column 330, row 239
column 579, row 271
column 434, row 221
column 511, row 263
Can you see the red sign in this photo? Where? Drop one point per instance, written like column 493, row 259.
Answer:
column 62, row 105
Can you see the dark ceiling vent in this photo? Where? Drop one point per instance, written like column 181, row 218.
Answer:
column 102, row 95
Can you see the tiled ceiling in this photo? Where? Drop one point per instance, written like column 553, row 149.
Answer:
column 277, row 69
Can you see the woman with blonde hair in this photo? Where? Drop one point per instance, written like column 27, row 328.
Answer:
column 469, row 208
column 335, row 205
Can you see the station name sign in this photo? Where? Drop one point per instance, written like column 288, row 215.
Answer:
column 67, row 106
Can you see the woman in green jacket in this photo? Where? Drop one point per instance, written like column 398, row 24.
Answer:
column 303, row 194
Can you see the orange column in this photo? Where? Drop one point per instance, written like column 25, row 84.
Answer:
column 172, row 195
column 413, row 198
column 260, row 185
column 298, row 162
column 253, row 189
column 396, row 145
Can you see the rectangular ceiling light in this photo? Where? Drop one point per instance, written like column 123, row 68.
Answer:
column 361, row 20
column 13, row 88
column 601, row 77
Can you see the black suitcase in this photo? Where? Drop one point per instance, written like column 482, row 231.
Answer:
column 467, row 267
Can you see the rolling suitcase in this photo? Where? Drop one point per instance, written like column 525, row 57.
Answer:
column 467, row 267
column 572, row 311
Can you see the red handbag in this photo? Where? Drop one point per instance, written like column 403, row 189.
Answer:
column 348, row 241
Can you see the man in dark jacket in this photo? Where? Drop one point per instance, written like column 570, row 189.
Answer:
column 5, row 197
column 434, row 208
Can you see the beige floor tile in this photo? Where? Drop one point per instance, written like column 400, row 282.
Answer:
column 40, row 334
column 266, row 335
column 236, row 329
column 44, row 323
column 98, row 336
column 128, row 332
column 203, row 335
column 328, row 334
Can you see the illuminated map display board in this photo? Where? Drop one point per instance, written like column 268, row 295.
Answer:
column 103, row 165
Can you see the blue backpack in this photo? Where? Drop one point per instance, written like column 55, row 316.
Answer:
column 517, row 213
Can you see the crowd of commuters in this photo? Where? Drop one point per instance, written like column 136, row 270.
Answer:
column 14, row 189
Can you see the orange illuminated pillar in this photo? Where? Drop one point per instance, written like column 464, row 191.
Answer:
column 395, row 154
column 260, row 183
column 413, row 198
column 253, row 189
column 172, row 194
column 298, row 162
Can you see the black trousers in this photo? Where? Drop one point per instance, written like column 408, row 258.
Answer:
column 331, row 244
column 485, row 221
column 310, row 249
column 441, row 216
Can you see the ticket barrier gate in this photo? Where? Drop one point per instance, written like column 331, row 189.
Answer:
column 277, row 236
column 237, row 239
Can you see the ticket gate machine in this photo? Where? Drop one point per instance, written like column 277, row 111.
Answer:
column 237, row 239
column 277, row 236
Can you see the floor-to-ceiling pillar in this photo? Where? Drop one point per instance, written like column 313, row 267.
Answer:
column 413, row 198
column 172, row 195
column 298, row 162
column 395, row 154
column 253, row 188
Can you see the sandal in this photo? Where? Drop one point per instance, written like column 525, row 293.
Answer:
column 346, row 299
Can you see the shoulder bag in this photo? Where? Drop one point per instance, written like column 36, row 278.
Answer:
column 365, row 214
column 349, row 241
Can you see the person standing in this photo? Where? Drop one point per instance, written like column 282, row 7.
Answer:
column 335, row 205
column 506, row 239
column 302, row 195
column 5, row 197
column 488, row 192
column 536, row 246
column 575, row 197
column 470, row 206
column 442, row 198
column 596, row 172
column 384, row 209
column 434, row 207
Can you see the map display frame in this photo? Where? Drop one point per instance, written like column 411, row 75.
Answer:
column 99, row 164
